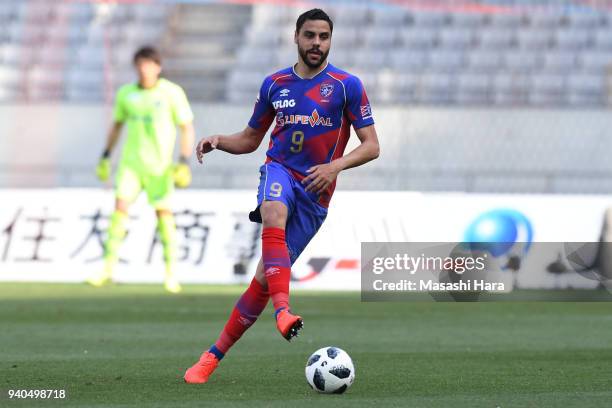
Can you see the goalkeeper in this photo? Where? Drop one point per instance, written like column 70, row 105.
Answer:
column 151, row 110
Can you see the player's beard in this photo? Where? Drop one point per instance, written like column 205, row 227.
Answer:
column 304, row 54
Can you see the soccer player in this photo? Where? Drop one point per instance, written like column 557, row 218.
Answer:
column 151, row 110
column 313, row 104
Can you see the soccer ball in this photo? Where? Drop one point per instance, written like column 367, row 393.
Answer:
column 330, row 370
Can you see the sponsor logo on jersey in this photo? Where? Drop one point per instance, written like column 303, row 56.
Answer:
column 148, row 119
column 313, row 120
column 326, row 89
column 285, row 103
column 366, row 111
column 316, row 120
column 284, row 93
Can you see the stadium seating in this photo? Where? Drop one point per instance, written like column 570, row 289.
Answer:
column 485, row 60
column 416, row 56
column 204, row 45
column 537, row 45
column 58, row 48
column 496, row 38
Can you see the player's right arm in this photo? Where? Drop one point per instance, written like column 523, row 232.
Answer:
column 112, row 138
column 249, row 139
column 103, row 169
column 246, row 141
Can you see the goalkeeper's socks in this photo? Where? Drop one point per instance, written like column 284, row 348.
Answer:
column 167, row 234
column 277, row 266
column 248, row 308
column 116, row 233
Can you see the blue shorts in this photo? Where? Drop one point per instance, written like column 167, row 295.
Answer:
column 305, row 215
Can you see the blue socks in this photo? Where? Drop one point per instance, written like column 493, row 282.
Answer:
column 277, row 311
column 216, row 352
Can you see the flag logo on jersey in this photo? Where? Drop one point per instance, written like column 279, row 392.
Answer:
column 326, row 89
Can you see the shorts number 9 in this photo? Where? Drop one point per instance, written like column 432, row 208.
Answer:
column 275, row 189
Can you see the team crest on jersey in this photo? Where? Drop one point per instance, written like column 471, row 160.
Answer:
column 327, row 89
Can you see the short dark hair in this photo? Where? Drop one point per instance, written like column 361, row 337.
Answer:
column 314, row 14
column 149, row 53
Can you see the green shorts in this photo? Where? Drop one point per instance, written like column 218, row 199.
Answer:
column 130, row 182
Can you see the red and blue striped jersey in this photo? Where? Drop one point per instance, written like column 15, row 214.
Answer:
column 312, row 118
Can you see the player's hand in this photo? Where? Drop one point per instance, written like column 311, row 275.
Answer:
column 320, row 177
column 182, row 175
column 103, row 169
column 206, row 145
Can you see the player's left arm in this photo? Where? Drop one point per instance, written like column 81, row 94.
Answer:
column 182, row 172
column 322, row 176
column 183, row 117
column 187, row 140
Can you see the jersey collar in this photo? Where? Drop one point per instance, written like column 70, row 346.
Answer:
column 315, row 75
column 148, row 89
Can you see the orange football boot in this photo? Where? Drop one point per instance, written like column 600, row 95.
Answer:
column 288, row 324
column 200, row 371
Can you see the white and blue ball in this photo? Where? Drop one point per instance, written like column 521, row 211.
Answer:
column 330, row 370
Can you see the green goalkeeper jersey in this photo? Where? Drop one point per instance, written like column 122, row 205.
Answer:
column 151, row 116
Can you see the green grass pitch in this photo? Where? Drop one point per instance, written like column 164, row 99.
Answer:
column 128, row 346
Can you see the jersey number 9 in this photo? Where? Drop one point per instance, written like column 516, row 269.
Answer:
column 297, row 139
